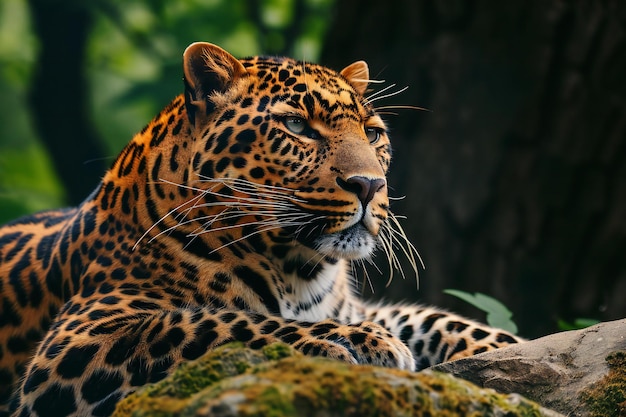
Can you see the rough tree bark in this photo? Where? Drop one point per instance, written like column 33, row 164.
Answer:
column 58, row 96
column 515, row 181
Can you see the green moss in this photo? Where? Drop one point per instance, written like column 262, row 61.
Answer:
column 277, row 351
column 278, row 382
column 273, row 403
column 191, row 378
column 608, row 397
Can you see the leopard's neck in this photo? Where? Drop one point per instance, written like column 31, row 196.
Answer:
column 319, row 290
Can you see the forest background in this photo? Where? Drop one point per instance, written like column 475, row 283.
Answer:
column 514, row 179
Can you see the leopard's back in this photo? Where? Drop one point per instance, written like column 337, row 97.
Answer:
column 31, row 288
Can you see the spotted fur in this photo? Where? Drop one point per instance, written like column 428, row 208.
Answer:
column 232, row 216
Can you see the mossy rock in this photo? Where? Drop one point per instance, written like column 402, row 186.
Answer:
column 276, row 381
column 608, row 397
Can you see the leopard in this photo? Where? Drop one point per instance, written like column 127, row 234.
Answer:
column 235, row 215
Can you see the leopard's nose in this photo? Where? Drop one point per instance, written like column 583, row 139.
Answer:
column 363, row 187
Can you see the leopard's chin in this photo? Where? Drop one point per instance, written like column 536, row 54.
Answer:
column 355, row 242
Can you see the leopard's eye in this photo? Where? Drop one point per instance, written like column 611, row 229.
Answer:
column 300, row 126
column 373, row 134
column 295, row 124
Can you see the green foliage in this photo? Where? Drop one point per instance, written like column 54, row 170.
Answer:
column 577, row 324
column 28, row 187
column 497, row 314
column 27, row 181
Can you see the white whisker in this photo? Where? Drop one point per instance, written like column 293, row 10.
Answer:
column 235, row 204
column 399, row 232
column 273, row 204
column 400, row 107
column 386, row 247
column 320, row 257
column 371, row 100
column 398, row 199
column 246, row 237
column 366, row 275
column 163, row 219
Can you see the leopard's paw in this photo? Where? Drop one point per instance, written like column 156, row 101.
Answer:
column 377, row 346
column 370, row 343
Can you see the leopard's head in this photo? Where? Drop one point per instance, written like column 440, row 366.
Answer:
column 290, row 149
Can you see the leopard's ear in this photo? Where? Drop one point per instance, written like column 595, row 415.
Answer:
column 207, row 69
column 358, row 75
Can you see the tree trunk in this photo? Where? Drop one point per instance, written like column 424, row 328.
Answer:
column 59, row 98
column 516, row 180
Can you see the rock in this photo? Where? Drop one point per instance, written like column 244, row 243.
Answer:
column 277, row 381
column 577, row 373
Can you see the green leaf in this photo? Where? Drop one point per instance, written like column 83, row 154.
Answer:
column 502, row 322
column 498, row 315
column 465, row 296
column 492, row 306
column 579, row 323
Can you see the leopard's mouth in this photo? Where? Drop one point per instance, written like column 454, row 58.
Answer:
column 354, row 242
